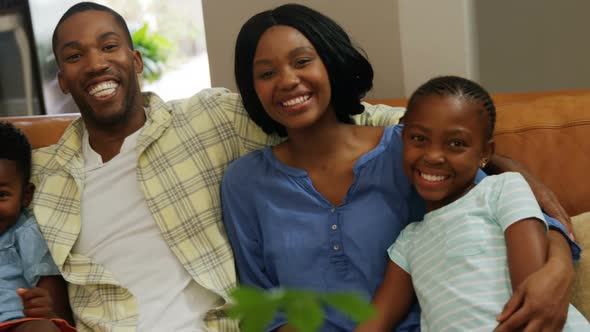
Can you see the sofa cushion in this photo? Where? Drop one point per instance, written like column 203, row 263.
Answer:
column 581, row 289
column 42, row 130
column 526, row 131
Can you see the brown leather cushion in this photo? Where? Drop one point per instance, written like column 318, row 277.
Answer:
column 42, row 130
column 551, row 137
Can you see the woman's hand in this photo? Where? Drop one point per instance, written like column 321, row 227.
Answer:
column 541, row 301
column 37, row 302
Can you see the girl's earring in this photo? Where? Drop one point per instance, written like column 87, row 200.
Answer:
column 483, row 163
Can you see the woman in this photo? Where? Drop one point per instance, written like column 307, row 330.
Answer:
column 319, row 210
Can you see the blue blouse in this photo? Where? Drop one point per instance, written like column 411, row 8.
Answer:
column 285, row 233
column 24, row 258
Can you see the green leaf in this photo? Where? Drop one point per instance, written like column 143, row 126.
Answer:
column 255, row 308
column 304, row 311
column 351, row 304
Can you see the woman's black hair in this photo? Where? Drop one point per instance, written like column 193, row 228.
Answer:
column 349, row 71
column 459, row 87
column 15, row 146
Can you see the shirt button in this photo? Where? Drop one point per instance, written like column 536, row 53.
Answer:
column 334, row 227
column 332, row 210
column 336, row 247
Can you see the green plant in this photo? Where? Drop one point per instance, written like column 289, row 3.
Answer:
column 154, row 49
column 256, row 308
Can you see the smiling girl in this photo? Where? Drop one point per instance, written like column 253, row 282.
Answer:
column 476, row 243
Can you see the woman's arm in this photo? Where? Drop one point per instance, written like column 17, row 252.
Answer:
column 392, row 301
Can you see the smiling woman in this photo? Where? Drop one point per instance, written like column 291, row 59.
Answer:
column 292, row 211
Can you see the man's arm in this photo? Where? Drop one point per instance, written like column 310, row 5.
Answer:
column 379, row 115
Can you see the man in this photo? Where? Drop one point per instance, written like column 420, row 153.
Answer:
column 128, row 199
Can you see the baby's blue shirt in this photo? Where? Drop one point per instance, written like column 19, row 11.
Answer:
column 24, row 258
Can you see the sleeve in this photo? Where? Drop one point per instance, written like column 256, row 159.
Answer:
column 398, row 250
column 251, row 135
column 515, row 200
column 379, row 115
column 35, row 256
column 239, row 219
column 551, row 222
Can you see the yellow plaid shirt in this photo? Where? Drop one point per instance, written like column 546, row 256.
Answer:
column 184, row 149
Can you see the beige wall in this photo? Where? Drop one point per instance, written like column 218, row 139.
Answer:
column 373, row 24
column 533, row 45
column 437, row 38
column 508, row 46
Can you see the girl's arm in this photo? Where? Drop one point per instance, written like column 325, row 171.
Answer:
column 392, row 301
column 527, row 246
column 542, row 299
column 540, row 264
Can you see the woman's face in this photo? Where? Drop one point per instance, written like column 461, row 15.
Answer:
column 290, row 78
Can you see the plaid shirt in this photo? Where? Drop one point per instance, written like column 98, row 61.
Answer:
column 183, row 151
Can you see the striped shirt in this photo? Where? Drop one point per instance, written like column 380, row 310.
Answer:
column 183, row 150
column 457, row 256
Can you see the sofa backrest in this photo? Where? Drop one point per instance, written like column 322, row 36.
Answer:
column 548, row 132
column 42, row 130
column 550, row 136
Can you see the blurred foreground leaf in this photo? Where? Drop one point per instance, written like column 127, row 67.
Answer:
column 304, row 309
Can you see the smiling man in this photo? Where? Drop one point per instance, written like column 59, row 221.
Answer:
column 128, row 199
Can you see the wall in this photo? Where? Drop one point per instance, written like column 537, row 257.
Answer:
column 533, row 45
column 508, row 46
column 437, row 38
column 373, row 24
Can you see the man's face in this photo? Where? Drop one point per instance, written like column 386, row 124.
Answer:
column 98, row 67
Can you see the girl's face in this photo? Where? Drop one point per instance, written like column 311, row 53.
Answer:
column 445, row 141
column 290, row 78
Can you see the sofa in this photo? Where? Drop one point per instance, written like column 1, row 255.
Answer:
column 547, row 132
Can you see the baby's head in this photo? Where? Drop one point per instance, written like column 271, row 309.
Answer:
column 447, row 135
column 16, row 192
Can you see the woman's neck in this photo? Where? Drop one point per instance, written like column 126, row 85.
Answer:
column 320, row 141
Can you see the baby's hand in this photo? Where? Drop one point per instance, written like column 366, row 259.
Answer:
column 36, row 302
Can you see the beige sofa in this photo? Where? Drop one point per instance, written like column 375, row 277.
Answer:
column 548, row 132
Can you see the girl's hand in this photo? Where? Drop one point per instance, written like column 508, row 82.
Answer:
column 541, row 301
column 36, row 302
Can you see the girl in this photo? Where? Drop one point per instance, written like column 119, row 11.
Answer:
column 319, row 210
column 475, row 244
